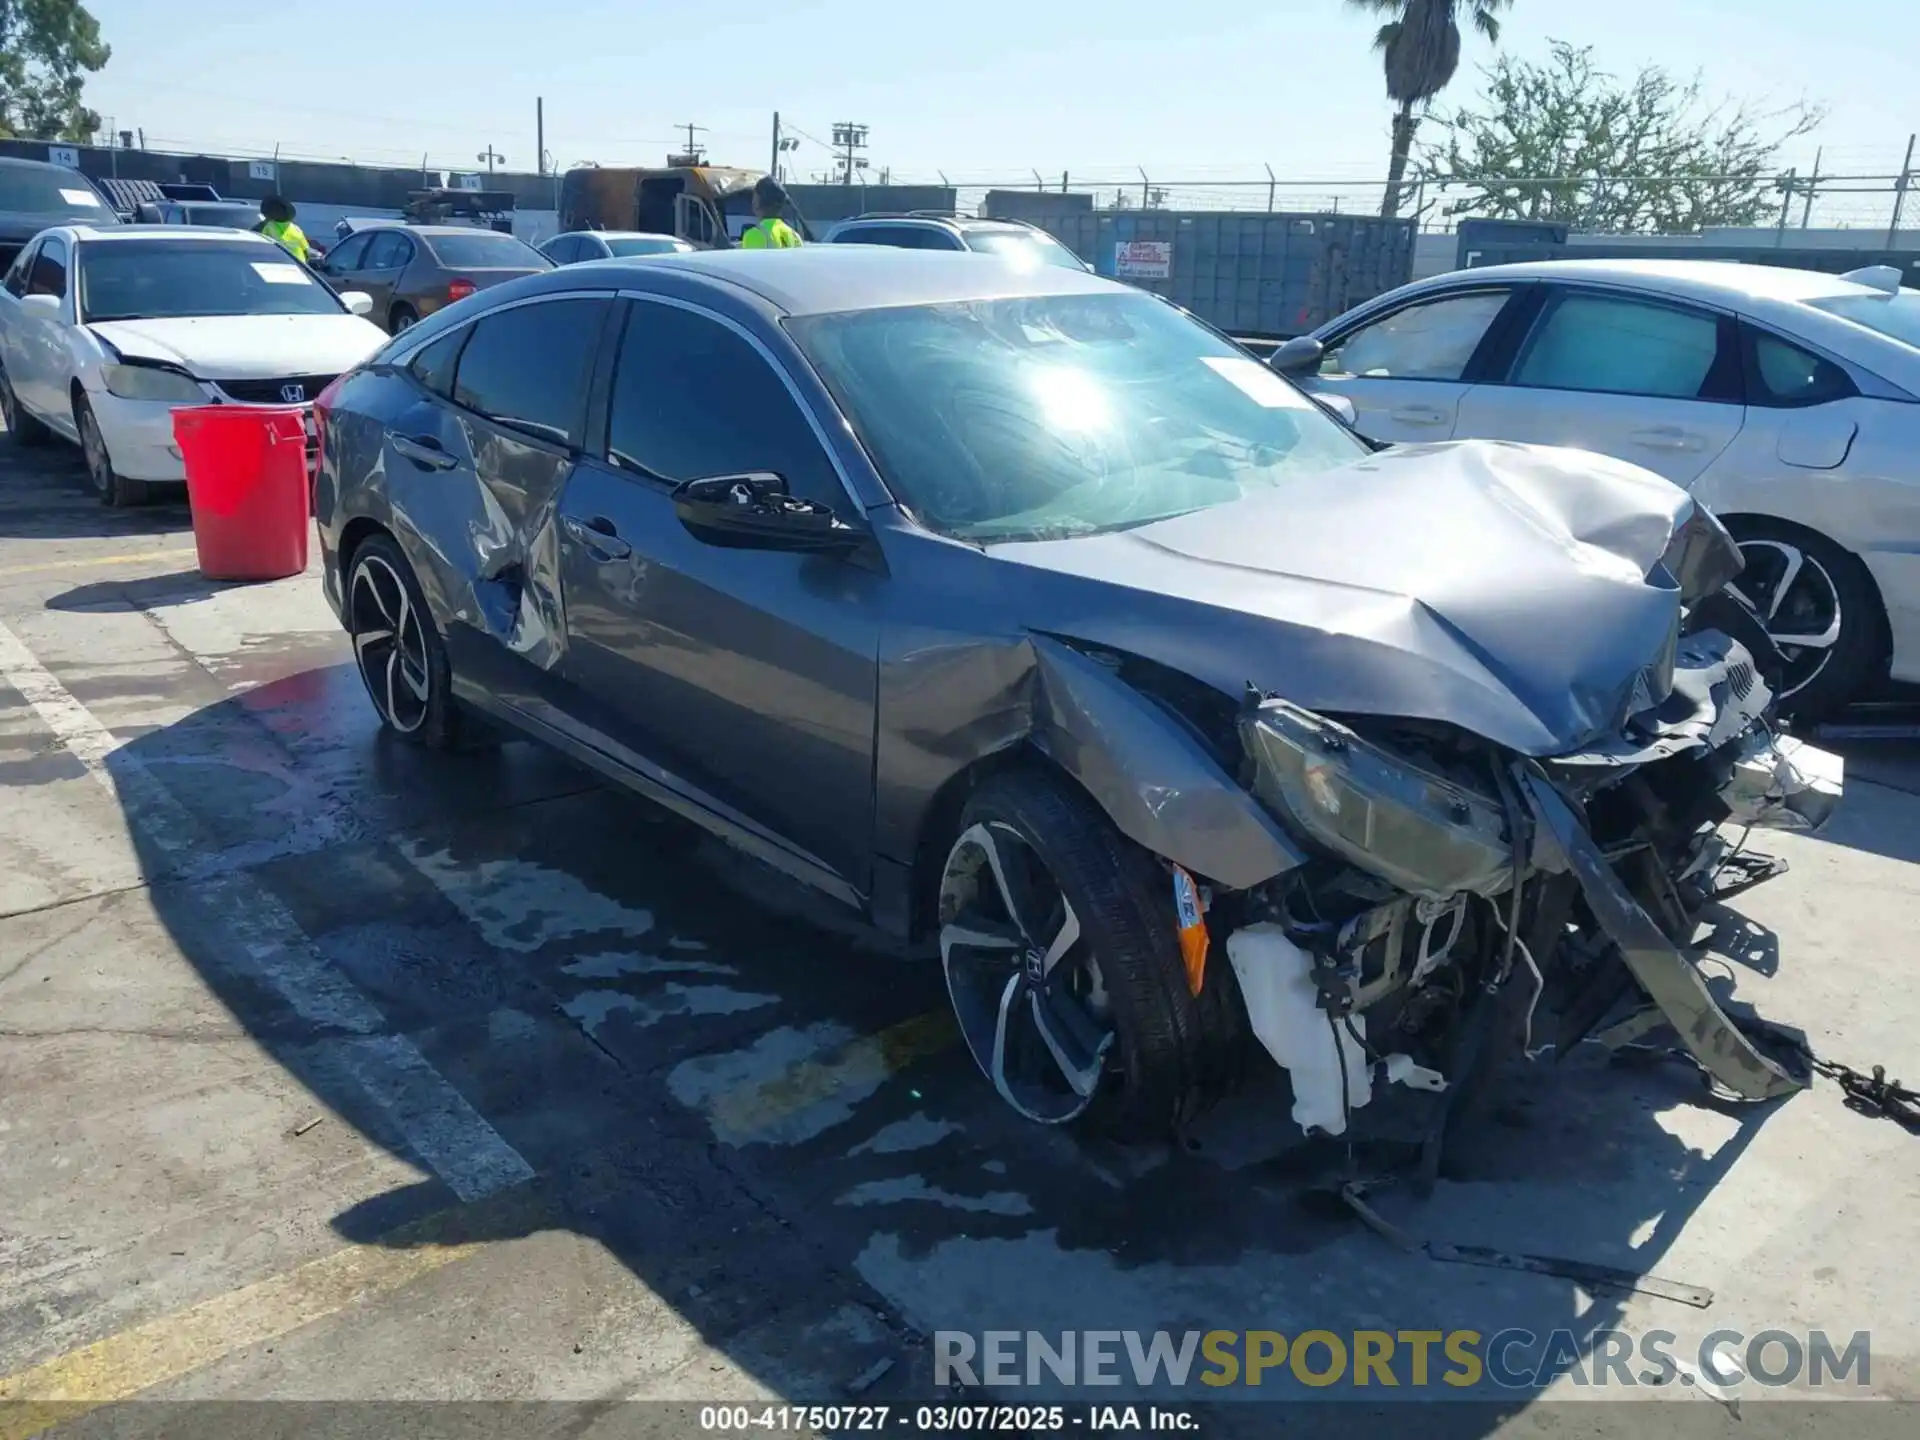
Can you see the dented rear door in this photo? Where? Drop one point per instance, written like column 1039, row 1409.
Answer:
column 476, row 466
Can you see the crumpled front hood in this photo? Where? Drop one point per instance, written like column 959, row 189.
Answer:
column 1502, row 588
column 247, row 347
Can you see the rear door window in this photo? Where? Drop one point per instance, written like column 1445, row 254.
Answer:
column 1782, row 375
column 528, row 367
column 22, row 267
column 562, row 249
column 388, row 250
column 1613, row 344
column 433, row 367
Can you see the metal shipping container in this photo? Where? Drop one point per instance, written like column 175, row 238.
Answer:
column 1248, row 273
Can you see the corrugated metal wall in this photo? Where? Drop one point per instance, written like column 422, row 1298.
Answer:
column 1246, row 273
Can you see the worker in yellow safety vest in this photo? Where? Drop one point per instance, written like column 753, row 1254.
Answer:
column 769, row 231
column 276, row 223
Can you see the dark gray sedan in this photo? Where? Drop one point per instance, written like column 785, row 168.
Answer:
column 1017, row 610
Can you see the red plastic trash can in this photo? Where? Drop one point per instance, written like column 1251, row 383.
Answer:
column 248, row 485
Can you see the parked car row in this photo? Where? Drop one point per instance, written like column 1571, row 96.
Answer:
column 106, row 330
column 1780, row 398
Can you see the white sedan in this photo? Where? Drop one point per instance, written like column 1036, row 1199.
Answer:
column 1788, row 401
column 105, row 332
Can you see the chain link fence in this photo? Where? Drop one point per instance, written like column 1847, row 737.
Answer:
column 1866, row 197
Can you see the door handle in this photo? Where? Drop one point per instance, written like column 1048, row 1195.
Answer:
column 1418, row 415
column 424, row 451
column 598, row 535
column 1666, row 437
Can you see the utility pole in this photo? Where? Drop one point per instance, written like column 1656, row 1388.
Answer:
column 850, row 139
column 1813, row 184
column 1900, row 194
column 492, row 158
column 695, row 152
column 540, row 132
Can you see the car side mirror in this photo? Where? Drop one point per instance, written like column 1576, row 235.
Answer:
column 755, row 511
column 1338, row 406
column 358, row 301
column 1299, row 356
column 46, row 304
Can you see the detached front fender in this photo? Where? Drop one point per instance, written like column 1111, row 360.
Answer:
column 1156, row 782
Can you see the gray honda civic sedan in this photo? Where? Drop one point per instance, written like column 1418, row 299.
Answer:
column 1028, row 616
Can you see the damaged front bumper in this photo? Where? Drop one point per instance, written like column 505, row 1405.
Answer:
column 1482, row 826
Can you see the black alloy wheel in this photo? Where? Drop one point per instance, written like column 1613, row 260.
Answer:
column 1063, row 966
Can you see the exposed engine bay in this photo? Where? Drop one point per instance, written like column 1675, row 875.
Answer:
column 1466, row 902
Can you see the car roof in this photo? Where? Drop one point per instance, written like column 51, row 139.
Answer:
column 824, row 279
column 20, row 162
column 1713, row 281
column 120, row 233
column 624, row 235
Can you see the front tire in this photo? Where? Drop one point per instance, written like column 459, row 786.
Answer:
column 1063, row 965
column 22, row 428
column 115, row 490
column 1820, row 606
column 401, row 318
column 397, row 648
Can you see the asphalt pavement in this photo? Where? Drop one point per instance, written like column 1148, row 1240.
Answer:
column 332, row 1071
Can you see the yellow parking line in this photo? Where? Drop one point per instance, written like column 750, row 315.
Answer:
column 150, row 1354
column 756, row 1108
column 8, row 574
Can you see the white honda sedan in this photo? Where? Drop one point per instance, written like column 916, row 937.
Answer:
column 105, row 332
column 1788, row 401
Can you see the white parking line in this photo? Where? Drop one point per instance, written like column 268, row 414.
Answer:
column 432, row 1118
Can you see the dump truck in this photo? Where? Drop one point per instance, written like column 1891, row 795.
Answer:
column 709, row 206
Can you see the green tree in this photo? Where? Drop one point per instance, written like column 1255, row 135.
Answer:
column 1420, row 51
column 46, row 47
column 1565, row 140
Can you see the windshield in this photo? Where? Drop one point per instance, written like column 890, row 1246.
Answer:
column 486, row 250
column 1895, row 316
column 1057, row 415
column 646, row 245
column 1022, row 245
column 32, row 191
column 173, row 279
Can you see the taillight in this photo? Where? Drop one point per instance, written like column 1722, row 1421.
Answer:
column 459, row 290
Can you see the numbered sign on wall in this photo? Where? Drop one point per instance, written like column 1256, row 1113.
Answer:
column 260, row 170
column 67, row 155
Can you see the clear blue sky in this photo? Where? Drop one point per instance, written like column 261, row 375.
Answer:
column 981, row 89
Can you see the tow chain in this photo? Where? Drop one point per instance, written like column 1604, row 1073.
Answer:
column 1870, row 1093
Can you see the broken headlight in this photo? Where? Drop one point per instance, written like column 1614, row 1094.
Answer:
column 1416, row 829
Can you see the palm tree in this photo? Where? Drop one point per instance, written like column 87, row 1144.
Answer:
column 1420, row 50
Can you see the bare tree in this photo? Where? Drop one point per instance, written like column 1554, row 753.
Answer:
column 1565, row 140
column 1420, row 53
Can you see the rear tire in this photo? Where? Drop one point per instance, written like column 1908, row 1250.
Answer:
column 1802, row 584
column 397, row 647
column 1126, row 1050
column 22, row 428
column 401, row 318
column 115, row 490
